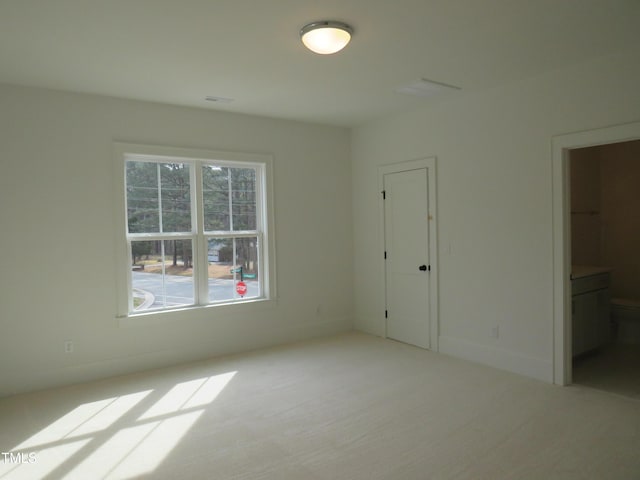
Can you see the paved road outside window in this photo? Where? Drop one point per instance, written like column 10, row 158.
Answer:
column 177, row 290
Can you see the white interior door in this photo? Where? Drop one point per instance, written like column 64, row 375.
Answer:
column 406, row 236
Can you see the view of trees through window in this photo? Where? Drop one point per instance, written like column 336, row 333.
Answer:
column 160, row 204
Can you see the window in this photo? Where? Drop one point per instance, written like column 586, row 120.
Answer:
column 196, row 229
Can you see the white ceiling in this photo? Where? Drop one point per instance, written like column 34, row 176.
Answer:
column 180, row 51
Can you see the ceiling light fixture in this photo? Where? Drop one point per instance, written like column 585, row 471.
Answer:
column 326, row 37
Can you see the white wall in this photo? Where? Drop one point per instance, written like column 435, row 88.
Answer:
column 57, row 243
column 493, row 152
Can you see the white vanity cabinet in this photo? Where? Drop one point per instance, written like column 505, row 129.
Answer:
column 590, row 307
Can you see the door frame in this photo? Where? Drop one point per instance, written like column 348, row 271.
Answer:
column 561, row 204
column 429, row 164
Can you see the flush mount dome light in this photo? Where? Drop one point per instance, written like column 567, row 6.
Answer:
column 326, row 37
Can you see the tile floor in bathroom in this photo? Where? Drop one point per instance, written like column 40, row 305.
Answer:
column 613, row 368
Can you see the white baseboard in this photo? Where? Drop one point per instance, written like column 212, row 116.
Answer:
column 498, row 358
column 372, row 328
column 28, row 381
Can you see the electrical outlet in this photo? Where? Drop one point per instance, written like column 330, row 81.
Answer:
column 68, row 346
column 495, row 331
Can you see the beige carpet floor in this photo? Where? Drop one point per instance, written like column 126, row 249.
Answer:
column 346, row 407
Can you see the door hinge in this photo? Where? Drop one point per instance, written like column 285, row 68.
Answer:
column 386, row 314
column 384, row 194
column 385, row 255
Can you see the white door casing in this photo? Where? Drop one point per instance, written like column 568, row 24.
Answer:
column 561, row 145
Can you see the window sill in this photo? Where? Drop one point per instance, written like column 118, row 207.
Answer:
column 194, row 312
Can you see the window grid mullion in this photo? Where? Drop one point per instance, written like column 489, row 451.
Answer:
column 260, row 264
column 159, row 198
column 164, row 275
column 230, row 199
column 233, row 266
column 230, row 234
column 260, row 225
column 129, row 279
column 201, row 263
column 139, row 237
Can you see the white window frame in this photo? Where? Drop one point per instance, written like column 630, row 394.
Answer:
column 196, row 158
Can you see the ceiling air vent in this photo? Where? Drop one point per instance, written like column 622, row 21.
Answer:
column 426, row 88
column 211, row 98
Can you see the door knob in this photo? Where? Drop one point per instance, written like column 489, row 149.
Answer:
column 422, row 268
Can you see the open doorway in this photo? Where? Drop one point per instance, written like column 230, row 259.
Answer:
column 585, row 216
column 604, row 184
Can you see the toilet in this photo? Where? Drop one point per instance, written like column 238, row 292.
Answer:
column 625, row 314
